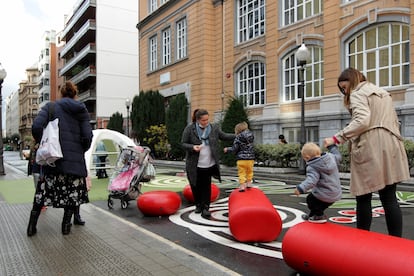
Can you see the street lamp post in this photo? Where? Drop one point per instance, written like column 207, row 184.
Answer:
column 128, row 105
column 3, row 75
column 302, row 56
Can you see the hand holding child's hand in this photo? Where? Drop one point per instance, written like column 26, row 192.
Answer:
column 297, row 192
column 225, row 150
column 328, row 141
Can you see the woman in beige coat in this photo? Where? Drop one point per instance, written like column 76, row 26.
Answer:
column 378, row 157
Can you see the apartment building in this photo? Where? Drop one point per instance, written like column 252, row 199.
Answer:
column 100, row 55
column 12, row 114
column 212, row 50
column 47, row 68
column 28, row 103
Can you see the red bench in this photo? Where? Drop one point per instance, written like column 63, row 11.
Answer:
column 252, row 217
column 159, row 203
column 331, row 249
column 188, row 193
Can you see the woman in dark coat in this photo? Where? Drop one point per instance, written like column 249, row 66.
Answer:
column 64, row 185
column 200, row 140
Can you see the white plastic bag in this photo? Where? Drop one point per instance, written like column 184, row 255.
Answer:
column 149, row 172
column 49, row 148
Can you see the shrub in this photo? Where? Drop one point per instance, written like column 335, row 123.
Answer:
column 156, row 139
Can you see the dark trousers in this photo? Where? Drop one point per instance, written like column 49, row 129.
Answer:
column 316, row 206
column 202, row 189
column 101, row 173
column 393, row 214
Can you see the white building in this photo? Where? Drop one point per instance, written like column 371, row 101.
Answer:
column 101, row 55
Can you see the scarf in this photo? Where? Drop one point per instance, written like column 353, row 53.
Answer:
column 203, row 133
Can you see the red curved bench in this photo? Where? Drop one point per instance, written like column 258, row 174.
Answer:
column 332, row 249
column 159, row 203
column 252, row 217
column 188, row 193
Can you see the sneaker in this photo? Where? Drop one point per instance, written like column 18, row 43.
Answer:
column 197, row 210
column 242, row 187
column 318, row 219
column 205, row 213
column 305, row 217
column 249, row 185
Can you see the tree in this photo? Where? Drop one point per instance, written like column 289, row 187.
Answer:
column 147, row 110
column 116, row 122
column 176, row 121
column 235, row 113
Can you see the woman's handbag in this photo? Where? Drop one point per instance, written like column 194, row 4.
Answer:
column 49, row 148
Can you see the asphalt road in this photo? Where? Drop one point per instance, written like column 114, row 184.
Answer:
column 212, row 239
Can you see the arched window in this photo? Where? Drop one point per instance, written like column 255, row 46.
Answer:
column 313, row 75
column 251, row 83
column 382, row 53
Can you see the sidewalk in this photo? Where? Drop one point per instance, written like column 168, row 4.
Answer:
column 106, row 245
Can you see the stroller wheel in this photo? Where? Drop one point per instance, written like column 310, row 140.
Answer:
column 124, row 204
column 110, row 203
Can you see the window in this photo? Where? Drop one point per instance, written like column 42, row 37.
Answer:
column 162, row 2
column 251, row 83
column 313, row 75
column 296, row 10
column 152, row 6
column 166, row 46
column 292, row 134
column 250, row 19
column 181, row 45
column 382, row 54
column 47, row 52
column 153, row 53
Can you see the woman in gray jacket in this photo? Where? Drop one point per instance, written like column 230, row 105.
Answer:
column 378, row 157
column 200, row 139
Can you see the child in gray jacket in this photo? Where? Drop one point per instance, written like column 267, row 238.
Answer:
column 322, row 176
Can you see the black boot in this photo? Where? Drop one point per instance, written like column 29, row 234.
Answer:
column 31, row 228
column 77, row 220
column 67, row 217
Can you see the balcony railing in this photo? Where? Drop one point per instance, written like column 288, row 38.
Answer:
column 87, row 95
column 89, row 25
column 90, row 48
column 77, row 15
column 88, row 71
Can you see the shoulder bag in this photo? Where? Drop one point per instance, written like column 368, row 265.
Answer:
column 49, row 148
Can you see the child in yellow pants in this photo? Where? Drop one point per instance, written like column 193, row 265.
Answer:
column 244, row 150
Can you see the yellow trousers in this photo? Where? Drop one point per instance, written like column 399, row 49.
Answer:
column 245, row 171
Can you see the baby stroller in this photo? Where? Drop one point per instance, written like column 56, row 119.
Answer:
column 132, row 168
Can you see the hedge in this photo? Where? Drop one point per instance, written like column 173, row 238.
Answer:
column 288, row 155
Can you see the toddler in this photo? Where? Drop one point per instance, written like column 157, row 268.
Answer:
column 322, row 176
column 243, row 148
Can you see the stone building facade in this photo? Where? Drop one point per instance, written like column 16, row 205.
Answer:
column 213, row 50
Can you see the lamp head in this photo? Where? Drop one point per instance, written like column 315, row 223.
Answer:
column 127, row 103
column 302, row 55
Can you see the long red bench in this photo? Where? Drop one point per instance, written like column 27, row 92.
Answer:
column 331, row 249
column 252, row 217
